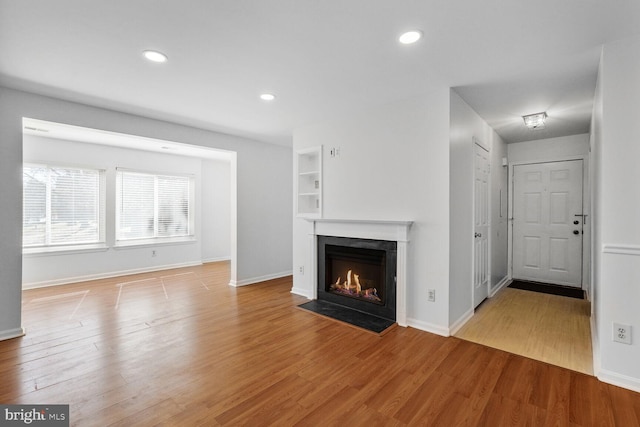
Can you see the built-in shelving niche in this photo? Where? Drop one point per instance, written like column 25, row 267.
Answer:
column 309, row 182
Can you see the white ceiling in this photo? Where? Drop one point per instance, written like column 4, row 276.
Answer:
column 322, row 59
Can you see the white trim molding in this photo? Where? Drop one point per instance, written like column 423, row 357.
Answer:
column 395, row 231
column 619, row 380
column 620, row 249
column 477, row 141
column 216, row 259
column 254, row 280
column 461, row 322
column 12, row 333
column 428, row 327
column 506, row 280
column 76, row 279
column 302, row 292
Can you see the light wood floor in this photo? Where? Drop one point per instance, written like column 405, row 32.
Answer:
column 550, row 328
column 182, row 348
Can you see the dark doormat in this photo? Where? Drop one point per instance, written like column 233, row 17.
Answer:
column 565, row 291
column 348, row 315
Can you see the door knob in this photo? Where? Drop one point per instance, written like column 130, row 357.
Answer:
column 576, row 222
column 576, row 232
column 477, row 235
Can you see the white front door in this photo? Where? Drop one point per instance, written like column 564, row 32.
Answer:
column 481, row 225
column 548, row 222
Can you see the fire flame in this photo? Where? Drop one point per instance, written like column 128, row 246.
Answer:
column 352, row 287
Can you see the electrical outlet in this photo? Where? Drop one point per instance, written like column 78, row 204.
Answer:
column 153, row 253
column 301, row 269
column 622, row 333
column 431, row 295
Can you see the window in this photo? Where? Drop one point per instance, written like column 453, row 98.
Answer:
column 62, row 206
column 151, row 206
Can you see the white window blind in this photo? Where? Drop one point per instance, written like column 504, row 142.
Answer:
column 62, row 206
column 151, row 206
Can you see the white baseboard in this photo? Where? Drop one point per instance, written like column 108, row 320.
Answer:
column 218, row 259
column 11, row 333
column 619, row 380
column 501, row 284
column 302, row 292
column 68, row 280
column 460, row 322
column 253, row 280
column 428, row 327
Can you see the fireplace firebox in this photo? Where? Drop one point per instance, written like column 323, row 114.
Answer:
column 359, row 274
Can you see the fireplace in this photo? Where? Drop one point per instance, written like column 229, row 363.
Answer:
column 391, row 231
column 359, row 274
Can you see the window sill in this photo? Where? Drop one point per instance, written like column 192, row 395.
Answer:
column 64, row 250
column 127, row 244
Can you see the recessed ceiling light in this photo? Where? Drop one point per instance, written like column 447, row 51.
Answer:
column 267, row 97
column 155, row 56
column 410, row 37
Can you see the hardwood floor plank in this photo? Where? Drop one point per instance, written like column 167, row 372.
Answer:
column 625, row 407
column 428, row 400
column 590, row 402
column 367, row 416
column 334, row 410
column 526, row 323
column 505, row 412
column 516, row 379
column 181, row 347
column 482, row 387
column 263, row 403
column 194, row 414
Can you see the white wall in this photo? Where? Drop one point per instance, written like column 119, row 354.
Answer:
column 216, row 210
column 499, row 213
column 617, row 209
column 264, row 189
column 465, row 125
column 11, row 224
column 595, row 142
column 393, row 165
column 542, row 150
column 265, row 200
column 212, row 204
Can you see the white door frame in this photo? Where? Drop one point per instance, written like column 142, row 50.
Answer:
column 479, row 143
column 586, row 203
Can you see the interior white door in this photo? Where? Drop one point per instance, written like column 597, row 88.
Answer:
column 481, row 225
column 548, row 222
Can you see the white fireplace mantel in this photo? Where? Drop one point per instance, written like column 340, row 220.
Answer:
column 396, row 231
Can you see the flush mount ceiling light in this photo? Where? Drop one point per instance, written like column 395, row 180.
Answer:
column 267, row 97
column 155, row 56
column 410, row 37
column 535, row 121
